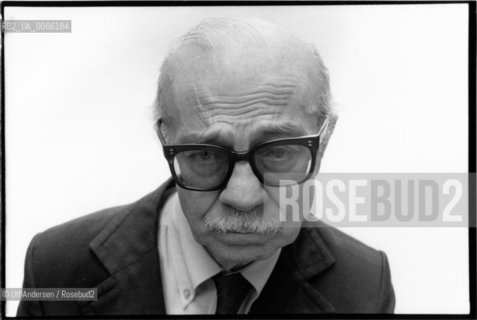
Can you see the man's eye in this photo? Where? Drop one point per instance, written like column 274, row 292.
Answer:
column 277, row 153
column 203, row 155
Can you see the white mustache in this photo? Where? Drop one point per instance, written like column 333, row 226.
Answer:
column 243, row 222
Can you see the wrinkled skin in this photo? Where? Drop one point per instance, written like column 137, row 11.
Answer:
column 237, row 99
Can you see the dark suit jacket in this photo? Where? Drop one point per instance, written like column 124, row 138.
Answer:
column 115, row 251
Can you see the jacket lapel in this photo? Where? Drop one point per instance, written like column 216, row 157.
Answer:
column 127, row 247
column 288, row 290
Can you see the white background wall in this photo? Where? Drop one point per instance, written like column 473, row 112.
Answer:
column 79, row 135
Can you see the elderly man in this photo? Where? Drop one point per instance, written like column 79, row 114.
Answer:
column 243, row 110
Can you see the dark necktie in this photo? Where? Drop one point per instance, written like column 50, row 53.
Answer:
column 231, row 291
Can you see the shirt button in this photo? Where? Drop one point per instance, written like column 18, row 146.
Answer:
column 186, row 293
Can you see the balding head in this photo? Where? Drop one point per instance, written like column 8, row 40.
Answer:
column 232, row 55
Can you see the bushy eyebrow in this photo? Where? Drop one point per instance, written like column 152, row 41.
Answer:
column 215, row 138
column 282, row 131
column 218, row 138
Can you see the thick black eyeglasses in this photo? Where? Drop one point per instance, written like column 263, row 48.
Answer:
column 205, row 167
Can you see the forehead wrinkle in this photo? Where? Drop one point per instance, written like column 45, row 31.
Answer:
column 213, row 98
column 231, row 100
column 279, row 85
column 270, row 88
column 263, row 99
column 233, row 120
column 243, row 109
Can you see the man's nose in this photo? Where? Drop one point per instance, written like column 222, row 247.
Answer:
column 244, row 191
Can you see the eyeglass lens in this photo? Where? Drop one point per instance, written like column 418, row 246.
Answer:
column 207, row 168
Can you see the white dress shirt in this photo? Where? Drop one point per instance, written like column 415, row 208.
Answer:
column 187, row 268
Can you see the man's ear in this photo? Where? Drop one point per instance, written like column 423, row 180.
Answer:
column 161, row 131
column 325, row 137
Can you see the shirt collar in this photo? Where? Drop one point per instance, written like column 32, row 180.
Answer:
column 199, row 264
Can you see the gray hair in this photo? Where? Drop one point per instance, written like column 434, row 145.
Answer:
column 214, row 34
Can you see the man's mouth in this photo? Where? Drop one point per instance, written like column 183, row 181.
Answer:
column 244, row 237
column 250, row 232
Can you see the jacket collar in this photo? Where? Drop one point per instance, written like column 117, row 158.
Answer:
column 132, row 232
column 127, row 247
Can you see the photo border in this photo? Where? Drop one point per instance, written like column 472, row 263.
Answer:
column 471, row 149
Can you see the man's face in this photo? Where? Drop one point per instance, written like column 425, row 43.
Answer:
column 236, row 101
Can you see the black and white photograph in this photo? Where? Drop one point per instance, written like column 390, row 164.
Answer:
column 238, row 159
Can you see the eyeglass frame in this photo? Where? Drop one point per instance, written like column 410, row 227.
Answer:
column 312, row 142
